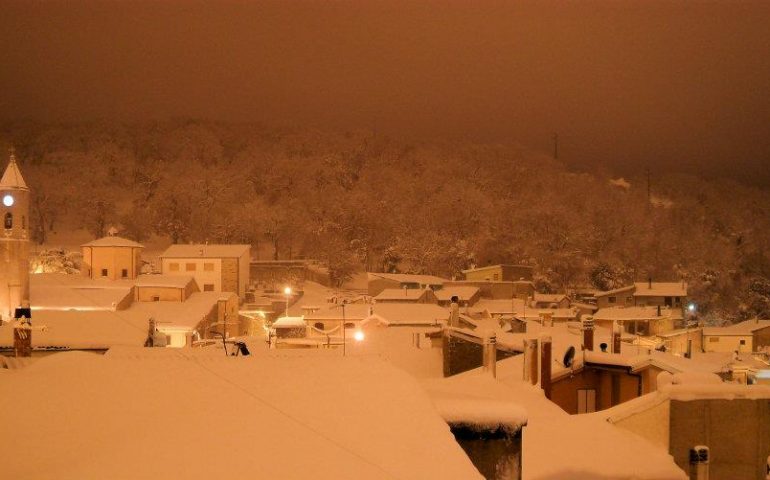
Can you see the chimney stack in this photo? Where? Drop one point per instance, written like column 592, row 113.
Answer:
column 545, row 365
column 530, row 360
column 489, row 351
column 454, row 315
column 588, row 333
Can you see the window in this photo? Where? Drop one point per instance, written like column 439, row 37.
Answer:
column 104, row 272
column 496, row 277
column 742, row 342
column 713, row 339
column 156, row 298
column 8, row 221
column 208, row 287
column 319, row 325
column 349, row 325
column 668, row 301
column 612, row 299
column 173, row 267
column 124, row 273
column 208, row 266
column 190, row 267
column 586, row 401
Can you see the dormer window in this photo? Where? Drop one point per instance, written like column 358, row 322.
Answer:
column 8, row 221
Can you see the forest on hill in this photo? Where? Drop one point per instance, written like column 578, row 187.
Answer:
column 357, row 200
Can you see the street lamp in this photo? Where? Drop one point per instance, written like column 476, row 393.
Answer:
column 359, row 336
column 287, row 292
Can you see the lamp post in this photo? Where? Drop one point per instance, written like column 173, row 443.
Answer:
column 287, row 292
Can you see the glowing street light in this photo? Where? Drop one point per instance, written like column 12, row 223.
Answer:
column 358, row 336
column 287, row 292
column 691, row 308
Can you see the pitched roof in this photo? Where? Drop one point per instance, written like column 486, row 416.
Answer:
column 12, row 177
column 746, row 327
column 409, row 278
column 113, row 241
column 660, row 289
column 632, row 313
column 499, row 265
column 614, row 291
column 462, row 292
column 405, row 294
column 205, row 251
column 549, row 297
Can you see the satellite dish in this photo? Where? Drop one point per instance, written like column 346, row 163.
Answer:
column 569, row 356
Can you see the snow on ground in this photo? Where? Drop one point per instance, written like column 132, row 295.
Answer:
column 161, row 413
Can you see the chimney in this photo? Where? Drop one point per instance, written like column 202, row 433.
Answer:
column 454, row 315
column 545, row 365
column 616, row 329
column 489, row 353
column 530, row 360
column 588, row 333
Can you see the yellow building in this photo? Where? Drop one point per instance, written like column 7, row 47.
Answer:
column 499, row 273
column 747, row 336
column 113, row 258
column 215, row 268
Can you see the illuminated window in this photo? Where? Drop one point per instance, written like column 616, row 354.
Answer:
column 208, row 266
column 190, row 267
column 208, row 287
column 173, row 267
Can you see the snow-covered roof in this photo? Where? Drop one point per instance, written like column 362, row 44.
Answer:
column 498, row 266
column 548, row 297
column 156, row 280
column 352, row 311
column 537, row 313
column 113, row 241
column 408, row 278
column 614, row 291
column 149, row 414
column 660, row 289
column 632, row 313
column 60, row 291
column 289, row 322
column 205, row 251
column 406, row 294
column 746, row 327
column 410, row 314
column 496, row 307
column 462, row 292
column 12, row 178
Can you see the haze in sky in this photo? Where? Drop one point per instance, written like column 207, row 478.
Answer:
column 677, row 85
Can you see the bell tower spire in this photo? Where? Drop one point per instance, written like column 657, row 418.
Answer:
column 14, row 240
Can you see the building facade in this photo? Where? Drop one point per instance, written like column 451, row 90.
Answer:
column 113, row 258
column 215, row 268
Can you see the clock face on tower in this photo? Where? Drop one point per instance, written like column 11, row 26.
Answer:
column 8, row 200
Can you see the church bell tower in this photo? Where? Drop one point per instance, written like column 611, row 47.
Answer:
column 14, row 241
